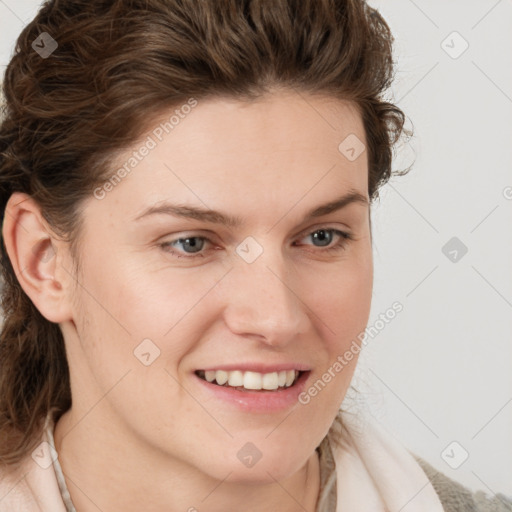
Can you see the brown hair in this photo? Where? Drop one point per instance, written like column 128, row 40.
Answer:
column 121, row 63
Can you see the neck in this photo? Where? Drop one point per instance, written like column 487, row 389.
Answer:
column 105, row 468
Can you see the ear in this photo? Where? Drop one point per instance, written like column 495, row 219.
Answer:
column 35, row 255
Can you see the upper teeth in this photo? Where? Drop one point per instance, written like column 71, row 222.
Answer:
column 252, row 380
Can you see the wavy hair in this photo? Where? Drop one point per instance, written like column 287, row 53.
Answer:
column 118, row 65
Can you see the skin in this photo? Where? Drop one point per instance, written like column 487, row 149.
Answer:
column 139, row 427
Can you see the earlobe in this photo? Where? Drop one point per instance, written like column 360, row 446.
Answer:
column 34, row 254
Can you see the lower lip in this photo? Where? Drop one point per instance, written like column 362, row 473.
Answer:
column 257, row 401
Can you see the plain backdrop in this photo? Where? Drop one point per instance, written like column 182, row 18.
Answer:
column 438, row 376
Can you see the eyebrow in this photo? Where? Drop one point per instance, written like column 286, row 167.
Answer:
column 217, row 217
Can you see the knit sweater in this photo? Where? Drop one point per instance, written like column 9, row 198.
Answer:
column 455, row 497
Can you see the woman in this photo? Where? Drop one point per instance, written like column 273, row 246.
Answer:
column 187, row 260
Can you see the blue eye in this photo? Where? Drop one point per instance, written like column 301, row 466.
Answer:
column 344, row 238
column 191, row 242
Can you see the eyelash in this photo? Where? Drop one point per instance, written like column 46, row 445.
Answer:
column 345, row 238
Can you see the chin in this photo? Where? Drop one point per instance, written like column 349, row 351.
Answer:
column 248, row 464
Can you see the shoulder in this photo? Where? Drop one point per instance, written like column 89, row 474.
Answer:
column 15, row 492
column 456, row 498
column 31, row 485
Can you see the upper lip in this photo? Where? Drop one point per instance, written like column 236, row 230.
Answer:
column 257, row 367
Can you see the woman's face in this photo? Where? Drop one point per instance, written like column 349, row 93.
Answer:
column 167, row 302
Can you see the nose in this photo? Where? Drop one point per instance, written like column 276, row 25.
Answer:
column 262, row 301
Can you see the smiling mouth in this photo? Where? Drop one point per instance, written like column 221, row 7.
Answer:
column 251, row 381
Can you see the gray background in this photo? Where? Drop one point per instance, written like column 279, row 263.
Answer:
column 440, row 371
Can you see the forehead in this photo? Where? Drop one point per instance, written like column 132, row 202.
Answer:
column 276, row 121
column 249, row 154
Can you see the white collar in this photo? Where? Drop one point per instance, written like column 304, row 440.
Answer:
column 376, row 472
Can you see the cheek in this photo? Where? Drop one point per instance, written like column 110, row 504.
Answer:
column 150, row 301
column 342, row 300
